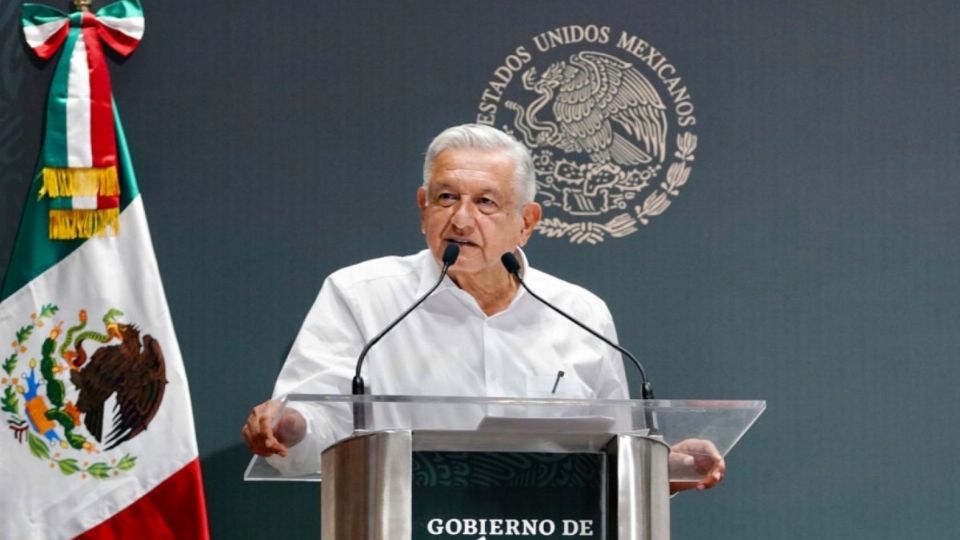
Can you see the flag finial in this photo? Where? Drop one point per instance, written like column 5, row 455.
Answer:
column 81, row 5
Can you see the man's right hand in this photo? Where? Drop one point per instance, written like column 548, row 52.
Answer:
column 271, row 429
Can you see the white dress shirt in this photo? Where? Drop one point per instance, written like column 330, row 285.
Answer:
column 448, row 345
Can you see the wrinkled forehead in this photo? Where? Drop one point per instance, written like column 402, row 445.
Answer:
column 474, row 168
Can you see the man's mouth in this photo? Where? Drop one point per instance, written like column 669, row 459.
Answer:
column 460, row 242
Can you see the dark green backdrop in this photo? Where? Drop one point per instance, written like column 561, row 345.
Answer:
column 810, row 261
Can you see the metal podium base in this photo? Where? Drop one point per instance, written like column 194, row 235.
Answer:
column 643, row 488
column 367, row 486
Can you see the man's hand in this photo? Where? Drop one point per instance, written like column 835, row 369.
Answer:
column 697, row 458
column 266, row 434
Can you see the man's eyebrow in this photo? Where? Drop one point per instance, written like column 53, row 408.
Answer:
column 495, row 191
column 441, row 185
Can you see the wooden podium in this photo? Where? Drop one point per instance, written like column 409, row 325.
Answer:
column 429, row 467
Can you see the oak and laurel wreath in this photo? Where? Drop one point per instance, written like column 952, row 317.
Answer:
column 10, row 403
column 623, row 224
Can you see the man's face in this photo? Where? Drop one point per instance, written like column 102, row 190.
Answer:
column 471, row 201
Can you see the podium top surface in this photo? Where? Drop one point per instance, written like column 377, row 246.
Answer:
column 547, row 401
column 459, row 423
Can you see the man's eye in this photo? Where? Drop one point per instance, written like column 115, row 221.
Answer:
column 446, row 198
column 486, row 204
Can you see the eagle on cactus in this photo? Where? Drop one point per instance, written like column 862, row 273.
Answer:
column 132, row 370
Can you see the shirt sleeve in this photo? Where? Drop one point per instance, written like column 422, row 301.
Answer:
column 321, row 361
column 324, row 354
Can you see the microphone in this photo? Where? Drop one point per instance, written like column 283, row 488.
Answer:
column 450, row 254
column 512, row 265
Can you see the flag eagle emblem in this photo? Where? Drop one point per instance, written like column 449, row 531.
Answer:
column 57, row 404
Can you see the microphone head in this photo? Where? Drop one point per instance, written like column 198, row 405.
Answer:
column 511, row 263
column 450, row 253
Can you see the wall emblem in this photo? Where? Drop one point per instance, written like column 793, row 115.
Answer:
column 610, row 124
column 58, row 404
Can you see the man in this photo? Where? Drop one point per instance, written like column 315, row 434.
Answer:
column 478, row 334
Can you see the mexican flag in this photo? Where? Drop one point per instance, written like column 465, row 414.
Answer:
column 97, row 429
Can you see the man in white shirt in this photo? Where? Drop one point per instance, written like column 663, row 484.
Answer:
column 478, row 334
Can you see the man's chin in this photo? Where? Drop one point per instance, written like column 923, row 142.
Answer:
column 465, row 266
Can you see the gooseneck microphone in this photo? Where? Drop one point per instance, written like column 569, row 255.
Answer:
column 512, row 265
column 450, row 254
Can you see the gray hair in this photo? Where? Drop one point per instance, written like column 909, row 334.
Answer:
column 486, row 138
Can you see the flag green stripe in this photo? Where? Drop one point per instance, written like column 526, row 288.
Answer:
column 122, row 9
column 34, row 252
column 61, row 203
column 54, row 153
column 37, row 14
column 128, row 179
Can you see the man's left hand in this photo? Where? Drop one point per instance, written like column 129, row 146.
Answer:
column 702, row 458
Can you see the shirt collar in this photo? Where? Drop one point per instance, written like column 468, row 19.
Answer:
column 430, row 272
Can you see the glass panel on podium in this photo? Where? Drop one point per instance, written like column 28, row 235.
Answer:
column 464, row 424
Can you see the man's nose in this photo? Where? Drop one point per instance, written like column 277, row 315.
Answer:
column 464, row 215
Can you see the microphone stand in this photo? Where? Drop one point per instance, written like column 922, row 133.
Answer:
column 512, row 265
column 450, row 255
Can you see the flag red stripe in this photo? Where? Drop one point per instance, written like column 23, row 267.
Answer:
column 50, row 46
column 102, row 135
column 117, row 40
column 108, row 201
column 173, row 510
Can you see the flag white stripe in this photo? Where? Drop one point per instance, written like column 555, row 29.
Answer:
column 40, row 502
column 37, row 35
column 79, row 148
column 84, row 202
column 131, row 26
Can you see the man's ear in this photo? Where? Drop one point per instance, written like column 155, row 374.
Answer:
column 422, row 198
column 531, row 214
column 422, row 205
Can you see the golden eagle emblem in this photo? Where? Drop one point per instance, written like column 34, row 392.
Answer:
column 134, row 372
column 598, row 130
column 603, row 107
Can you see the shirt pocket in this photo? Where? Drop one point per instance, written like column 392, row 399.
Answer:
column 568, row 386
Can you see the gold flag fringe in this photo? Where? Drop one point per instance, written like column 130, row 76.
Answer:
column 80, row 181
column 73, row 224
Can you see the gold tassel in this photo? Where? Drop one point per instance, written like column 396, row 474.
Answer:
column 73, row 224
column 80, row 182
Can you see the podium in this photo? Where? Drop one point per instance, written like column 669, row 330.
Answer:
column 435, row 467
